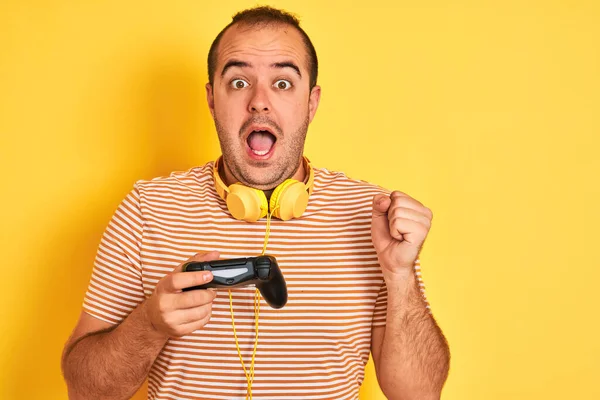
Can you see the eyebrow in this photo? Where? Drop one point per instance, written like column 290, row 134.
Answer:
column 288, row 64
column 234, row 63
column 244, row 64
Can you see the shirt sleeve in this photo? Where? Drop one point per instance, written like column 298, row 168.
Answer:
column 115, row 288
column 421, row 284
column 380, row 312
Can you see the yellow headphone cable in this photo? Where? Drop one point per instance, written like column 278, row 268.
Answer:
column 250, row 375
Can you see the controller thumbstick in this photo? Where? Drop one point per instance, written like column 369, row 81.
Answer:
column 263, row 267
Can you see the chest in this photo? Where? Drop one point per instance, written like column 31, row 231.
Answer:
column 329, row 266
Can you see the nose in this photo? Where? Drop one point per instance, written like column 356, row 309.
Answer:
column 259, row 102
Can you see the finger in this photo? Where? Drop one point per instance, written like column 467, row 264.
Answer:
column 397, row 193
column 186, row 329
column 381, row 204
column 200, row 256
column 409, row 213
column 177, row 281
column 403, row 229
column 379, row 219
column 402, row 200
column 194, row 298
column 191, row 315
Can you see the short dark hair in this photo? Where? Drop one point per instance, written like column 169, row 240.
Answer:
column 266, row 16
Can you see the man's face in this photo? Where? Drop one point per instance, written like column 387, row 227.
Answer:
column 261, row 103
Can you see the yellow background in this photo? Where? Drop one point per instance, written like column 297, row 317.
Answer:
column 485, row 111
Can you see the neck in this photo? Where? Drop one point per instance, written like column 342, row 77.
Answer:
column 300, row 175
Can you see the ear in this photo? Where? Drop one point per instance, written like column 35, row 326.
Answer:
column 210, row 98
column 313, row 102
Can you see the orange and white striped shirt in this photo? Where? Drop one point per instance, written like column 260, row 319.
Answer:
column 315, row 347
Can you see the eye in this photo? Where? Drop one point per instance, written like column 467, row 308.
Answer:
column 239, row 84
column 283, row 84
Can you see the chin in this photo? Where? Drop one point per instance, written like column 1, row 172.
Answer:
column 264, row 176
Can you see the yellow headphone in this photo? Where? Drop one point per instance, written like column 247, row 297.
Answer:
column 288, row 200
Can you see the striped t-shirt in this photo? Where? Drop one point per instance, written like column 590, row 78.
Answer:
column 315, row 347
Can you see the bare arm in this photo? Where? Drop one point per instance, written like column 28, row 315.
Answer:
column 111, row 362
column 410, row 353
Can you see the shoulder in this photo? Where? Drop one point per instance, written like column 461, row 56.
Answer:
column 196, row 181
column 337, row 182
column 345, row 200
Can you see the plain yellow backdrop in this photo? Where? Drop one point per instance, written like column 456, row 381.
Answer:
column 486, row 111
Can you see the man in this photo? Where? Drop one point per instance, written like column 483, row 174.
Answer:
column 349, row 259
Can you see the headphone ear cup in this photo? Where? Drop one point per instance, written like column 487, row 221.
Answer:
column 246, row 204
column 289, row 200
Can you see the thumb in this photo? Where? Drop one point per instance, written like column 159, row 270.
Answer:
column 200, row 256
column 381, row 204
column 380, row 226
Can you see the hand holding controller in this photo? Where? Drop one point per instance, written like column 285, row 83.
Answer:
column 262, row 271
column 172, row 313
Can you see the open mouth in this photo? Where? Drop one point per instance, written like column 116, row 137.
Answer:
column 261, row 142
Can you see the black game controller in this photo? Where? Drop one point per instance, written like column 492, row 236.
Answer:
column 261, row 271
